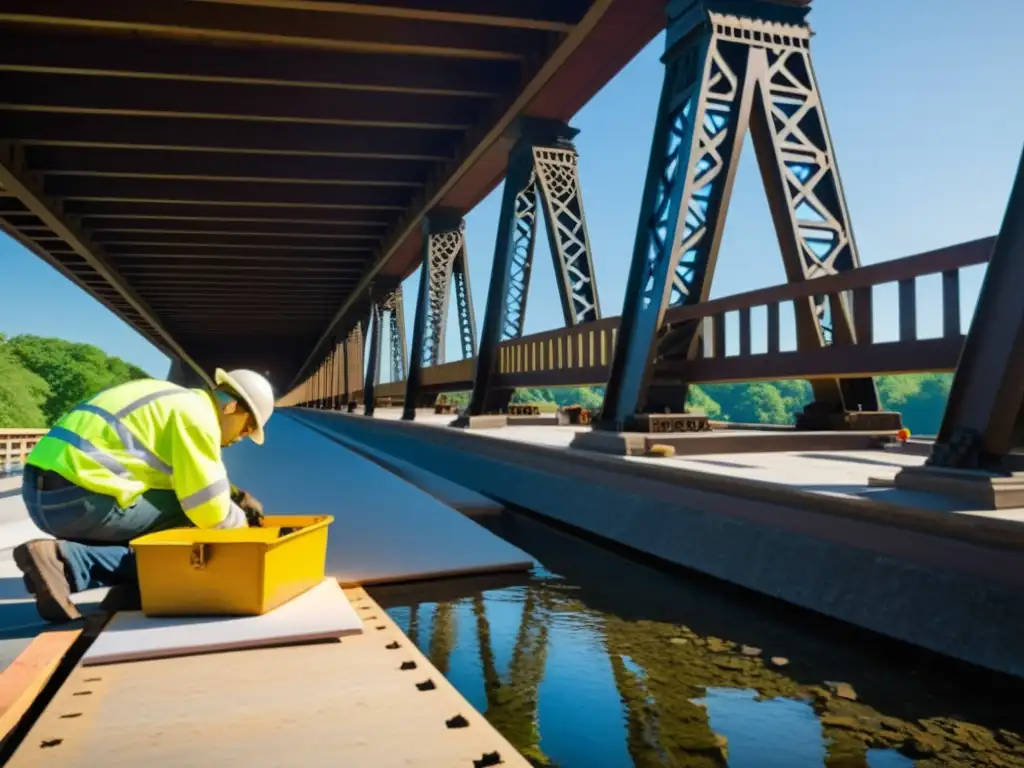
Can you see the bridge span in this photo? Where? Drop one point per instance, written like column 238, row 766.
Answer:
column 158, row 153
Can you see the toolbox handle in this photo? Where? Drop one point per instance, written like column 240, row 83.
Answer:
column 199, row 556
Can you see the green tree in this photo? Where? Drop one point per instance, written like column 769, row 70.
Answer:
column 921, row 399
column 73, row 372
column 22, row 393
column 699, row 401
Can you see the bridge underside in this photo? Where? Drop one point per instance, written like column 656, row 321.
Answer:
column 230, row 176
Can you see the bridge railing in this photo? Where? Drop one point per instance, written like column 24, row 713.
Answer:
column 15, row 445
column 582, row 356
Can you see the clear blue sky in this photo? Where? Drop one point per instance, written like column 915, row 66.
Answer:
column 921, row 100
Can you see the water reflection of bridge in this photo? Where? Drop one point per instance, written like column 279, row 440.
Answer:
column 665, row 674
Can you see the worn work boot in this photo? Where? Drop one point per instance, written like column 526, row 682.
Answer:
column 43, row 568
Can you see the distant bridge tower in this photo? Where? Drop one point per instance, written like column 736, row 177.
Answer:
column 731, row 65
column 445, row 263
column 543, row 160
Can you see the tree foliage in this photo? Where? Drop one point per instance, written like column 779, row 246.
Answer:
column 41, row 379
column 920, row 398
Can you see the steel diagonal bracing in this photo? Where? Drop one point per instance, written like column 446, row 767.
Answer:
column 557, row 173
column 464, row 304
column 542, row 161
column 444, row 261
column 723, row 75
column 442, row 248
column 395, row 307
column 524, row 238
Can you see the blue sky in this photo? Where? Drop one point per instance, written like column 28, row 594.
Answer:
column 925, row 124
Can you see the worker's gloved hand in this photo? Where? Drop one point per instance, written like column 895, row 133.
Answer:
column 248, row 504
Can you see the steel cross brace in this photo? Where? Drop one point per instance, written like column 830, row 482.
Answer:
column 394, row 306
column 731, row 65
column 381, row 299
column 444, row 262
column 543, row 162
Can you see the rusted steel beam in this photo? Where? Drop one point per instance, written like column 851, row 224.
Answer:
column 157, row 279
column 15, row 178
column 125, row 210
column 292, row 26
column 183, row 264
column 31, row 50
column 227, row 192
column 244, row 103
column 525, row 14
column 210, row 165
column 345, row 252
column 211, row 227
column 334, row 241
column 224, row 136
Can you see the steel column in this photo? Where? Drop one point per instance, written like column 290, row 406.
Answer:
column 339, row 372
column 543, row 160
column 444, row 242
column 394, row 305
column 464, row 304
column 373, row 364
column 984, row 418
column 730, row 65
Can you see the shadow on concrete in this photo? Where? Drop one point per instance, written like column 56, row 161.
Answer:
column 10, row 493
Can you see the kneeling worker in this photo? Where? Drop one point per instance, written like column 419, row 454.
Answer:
column 138, row 458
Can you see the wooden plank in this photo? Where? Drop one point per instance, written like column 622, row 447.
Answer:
column 369, row 699
column 322, row 613
column 26, row 677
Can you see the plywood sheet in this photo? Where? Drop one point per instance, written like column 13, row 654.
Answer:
column 322, row 613
column 368, row 700
column 385, row 528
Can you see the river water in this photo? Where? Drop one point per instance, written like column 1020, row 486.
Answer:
column 595, row 660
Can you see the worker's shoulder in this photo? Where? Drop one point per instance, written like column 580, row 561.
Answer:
column 196, row 407
column 159, row 400
column 132, row 394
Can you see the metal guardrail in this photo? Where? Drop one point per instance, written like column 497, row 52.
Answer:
column 582, row 356
column 15, row 446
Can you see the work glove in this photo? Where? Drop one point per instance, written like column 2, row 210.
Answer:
column 248, row 504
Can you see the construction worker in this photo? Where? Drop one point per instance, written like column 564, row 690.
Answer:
column 137, row 458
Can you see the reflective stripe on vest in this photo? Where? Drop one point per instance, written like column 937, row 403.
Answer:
column 123, row 433
column 105, row 460
column 203, row 495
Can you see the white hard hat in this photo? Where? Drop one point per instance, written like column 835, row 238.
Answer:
column 255, row 392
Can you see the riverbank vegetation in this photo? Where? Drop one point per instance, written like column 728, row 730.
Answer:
column 42, row 378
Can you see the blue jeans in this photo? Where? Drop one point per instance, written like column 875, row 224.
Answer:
column 93, row 531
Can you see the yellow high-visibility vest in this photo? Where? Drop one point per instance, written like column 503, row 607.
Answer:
column 145, row 435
